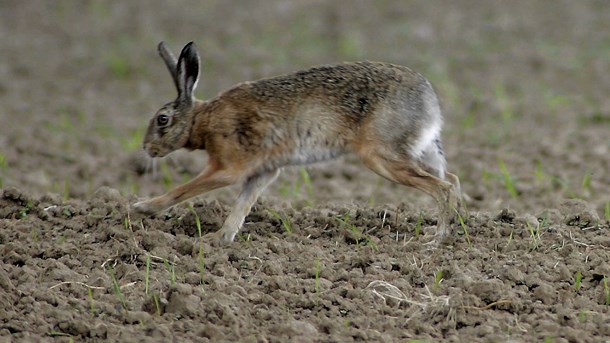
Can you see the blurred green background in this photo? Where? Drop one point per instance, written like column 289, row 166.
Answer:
column 523, row 84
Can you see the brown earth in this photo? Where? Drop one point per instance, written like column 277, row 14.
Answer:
column 524, row 87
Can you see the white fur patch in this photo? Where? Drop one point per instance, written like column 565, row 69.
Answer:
column 427, row 137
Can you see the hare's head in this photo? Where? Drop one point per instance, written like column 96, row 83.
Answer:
column 170, row 128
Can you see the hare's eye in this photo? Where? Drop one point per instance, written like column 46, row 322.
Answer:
column 162, row 120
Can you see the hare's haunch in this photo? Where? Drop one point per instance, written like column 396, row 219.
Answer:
column 386, row 114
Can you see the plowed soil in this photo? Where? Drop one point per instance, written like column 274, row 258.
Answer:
column 328, row 254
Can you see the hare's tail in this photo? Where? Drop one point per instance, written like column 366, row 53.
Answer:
column 433, row 158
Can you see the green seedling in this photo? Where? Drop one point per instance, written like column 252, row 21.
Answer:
column 286, row 224
column 157, row 304
column 586, row 184
column 317, row 276
column 172, row 271
column 607, row 211
column 504, row 104
column 295, row 190
column 577, row 280
column 582, row 316
column 25, row 210
column 66, row 190
column 201, row 260
column 351, row 45
column 606, row 291
column 3, row 163
column 166, row 176
column 147, row 275
column 55, row 333
column 117, row 288
column 357, row 232
column 556, row 101
column 373, row 197
column 118, row 66
column 197, row 220
column 539, row 173
column 438, row 277
column 545, row 222
column 418, row 224
column 91, row 300
column 100, row 9
column 486, row 175
column 534, row 235
column 465, row 228
column 63, row 124
column 509, row 183
column 306, row 181
column 133, row 141
column 510, row 237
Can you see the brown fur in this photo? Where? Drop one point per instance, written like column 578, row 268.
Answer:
column 387, row 114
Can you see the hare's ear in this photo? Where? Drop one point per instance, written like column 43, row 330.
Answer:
column 170, row 62
column 188, row 73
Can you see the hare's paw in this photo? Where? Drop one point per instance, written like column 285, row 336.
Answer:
column 148, row 207
column 227, row 235
column 436, row 237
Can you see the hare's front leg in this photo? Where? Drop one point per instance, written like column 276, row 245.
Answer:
column 251, row 190
column 211, row 178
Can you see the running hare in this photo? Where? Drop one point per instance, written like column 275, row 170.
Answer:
column 386, row 114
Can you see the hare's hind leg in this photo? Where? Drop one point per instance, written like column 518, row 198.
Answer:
column 251, row 190
column 211, row 178
column 433, row 161
column 410, row 173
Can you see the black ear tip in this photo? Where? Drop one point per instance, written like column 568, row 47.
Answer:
column 190, row 47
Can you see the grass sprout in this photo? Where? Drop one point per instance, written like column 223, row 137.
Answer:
column 465, row 228
column 317, row 277
column 171, row 269
column 606, row 291
column 504, row 104
column 157, row 304
column 358, row 233
column 3, row 167
column 116, row 287
column 91, row 300
column 418, row 224
column 133, row 141
column 201, row 262
column 197, row 220
column 295, row 190
column 286, row 224
column 166, row 176
column 147, row 275
column 509, row 182
column 438, row 278
column 582, row 316
column 534, row 235
column 306, row 181
column 586, row 184
column 577, row 281
column 510, row 238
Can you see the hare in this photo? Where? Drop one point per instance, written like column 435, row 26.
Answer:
column 386, row 114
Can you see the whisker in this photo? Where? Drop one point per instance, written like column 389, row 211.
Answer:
column 155, row 169
column 172, row 158
column 148, row 167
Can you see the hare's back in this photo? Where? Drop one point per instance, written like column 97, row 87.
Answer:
column 354, row 89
